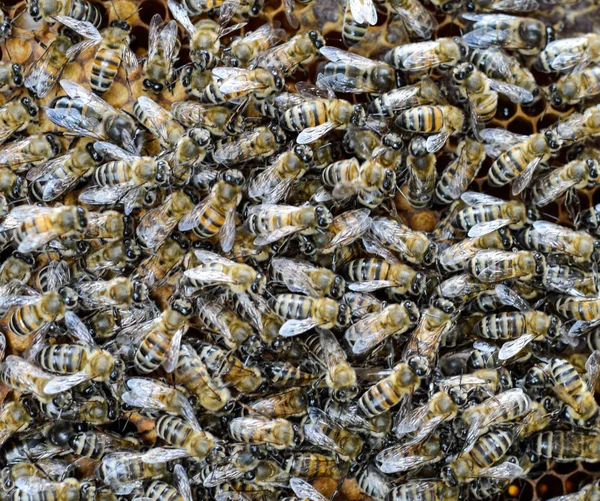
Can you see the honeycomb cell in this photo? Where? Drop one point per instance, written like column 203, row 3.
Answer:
column 574, row 482
column 520, row 125
column 549, row 486
column 151, row 7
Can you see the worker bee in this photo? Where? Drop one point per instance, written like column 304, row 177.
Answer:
column 223, row 322
column 16, row 116
column 185, row 435
column 218, row 120
column 21, row 155
column 121, row 471
column 569, row 54
column 351, row 73
column 388, row 105
column 258, row 83
column 369, row 274
column 498, row 265
column 119, row 292
column 564, row 446
column 421, row 174
column 181, row 490
column 548, row 237
column 113, row 50
column 16, row 267
column 319, row 114
column 325, row 433
column 258, row 312
column 278, row 433
column 33, row 227
column 374, row 328
column 412, row 454
column 16, row 416
column 487, row 214
column 163, row 47
column 589, row 219
column 441, row 121
column 343, row 231
column 416, row 18
column 423, row 420
column 124, row 179
column 92, row 444
column 526, row 35
column 412, row 246
column 431, row 489
column 301, row 49
column 158, row 266
column 271, row 222
column 243, row 50
column 49, row 10
column 574, row 88
column 456, row 257
column 304, row 278
column 29, row 487
column 288, row 403
column 12, row 186
column 274, row 183
column 423, row 56
column 84, row 113
column 262, row 142
column 577, row 126
column 389, row 391
column 11, row 76
column 314, row 465
column 305, row 313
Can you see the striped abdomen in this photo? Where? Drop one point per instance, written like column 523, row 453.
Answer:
column 352, row 32
column 491, row 447
column 422, row 119
column 105, row 67
column 26, row 320
column 471, row 216
column 578, row 310
column 173, row 430
column 113, row 173
column 161, row 491
column 211, row 221
column 88, row 444
column 293, row 306
column 363, row 270
column 309, row 114
column 381, row 397
column 152, row 351
column 344, row 171
column 85, row 11
column 62, row 358
column 508, row 325
column 508, row 166
column 191, row 373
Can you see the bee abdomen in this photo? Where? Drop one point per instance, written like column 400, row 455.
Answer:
column 62, row 358
column 104, row 69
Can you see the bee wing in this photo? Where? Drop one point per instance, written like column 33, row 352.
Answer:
column 39, row 80
column 422, row 58
column 363, row 11
column 506, row 470
column 514, row 347
column 513, row 92
column 153, row 34
column 207, row 257
column 182, row 482
column 373, row 246
column 58, row 274
column 388, row 231
column 369, row 286
column 516, row 5
column 310, row 92
column 554, row 191
column 492, row 257
column 398, row 459
column 592, row 367
column 21, row 213
column 482, row 38
column 295, row 327
column 575, row 496
column 499, row 140
column 104, row 195
column 551, row 234
column 192, row 218
column 336, row 55
column 511, row 298
column 76, row 91
column 204, row 275
column 182, row 17
column 156, row 117
column 481, row 229
column 145, row 393
column 304, row 490
column 412, row 422
column 74, row 121
column 295, row 277
column 162, row 455
column 353, row 225
column 473, row 198
column 437, row 141
column 343, row 83
column 522, row 180
column 271, row 32
column 230, row 151
column 59, row 384
column 568, row 53
column 419, row 20
column 581, row 327
column 369, row 331
column 278, row 234
column 332, row 351
column 170, row 363
column 77, row 329
column 226, row 72
column 222, row 474
column 33, row 485
column 83, row 28
column 311, row 134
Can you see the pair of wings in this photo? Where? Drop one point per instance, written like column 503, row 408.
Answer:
column 483, row 36
column 568, row 54
column 25, row 153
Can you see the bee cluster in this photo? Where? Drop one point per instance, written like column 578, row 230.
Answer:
column 240, row 262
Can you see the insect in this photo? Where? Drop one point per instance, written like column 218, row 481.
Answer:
column 411, row 246
column 223, row 322
column 526, row 35
column 119, row 292
column 416, row 18
column 288, row 403
column 423, row 56
column 348, row 416
column 278, row 433
column 569, row 54
column 36, row 149
column 236, row 83
column 260, row 143
column 388, row 105
column 218, row 120
column 304, row 278
column 423, row 420
column 369, row 274
column 497, row 265
column 389, row 391
column 411, row 455
column 11, row 76
column 121, row 470
column 15, row 116
column 314, row 465
column 566, row 446
column 163, row 48
column 244, row 50
column 287, row 57
column 574, row 88
column 432, row 489
column 421, row 174
column 91, row 444
column 323, row 432
column 49, row 10
column 16, row 416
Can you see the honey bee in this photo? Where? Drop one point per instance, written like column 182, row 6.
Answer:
column 288, row 403
column 113, row 50
column 369, row 274
column 218, row 120
column 323, row 432
column 411, row 246
column 271, row 222
column 498, row 265
column 278, row 433
column 314, row 465
column 122, row 471
column 388, row 105
column 304, row 278
column 12, row 186
column 16, row 267
column 374, row 328
column 301, row 49
column 22, row 155
column 347, row 415
column 319, row 114
column 158, row 266
column 441, row 121
column 85, row 114
column 124, row 179
column 49, row 10
column 486, row 214
column 569, row 54
column 423, row 56
column 163, row 48
column 423, row 420
column 215, row 270
column 422, row 174
column 30, row 487
column 284, row 374
column 16, row 116
column 258, row 312
column 574, row 88
column 243, row 50
column 343, row 231
column 275, row 182
column 91, row 444
column 548, row 237
column 305, row 313
column 33, row 227
column 351, row 73
column 119, row 292
column 259, row 83
column 262, row 142
column 526, row 35
column 223, row 321
column 577, row 126
column 588, row 219
column 433, row 490
column 411, row 455
column 161, row 490
column 564, row 446
column 16, row 416
column 389, row 391
column 416, row 18
column 179, row 433
column 11, row 77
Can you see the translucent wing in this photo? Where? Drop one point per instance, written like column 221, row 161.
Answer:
column 484, row 37
column 105, row 195
column 511, row 298
column 33, row 485
column 77, row 329
column 109, row 150
column 348, row 58
column 592, row 368
column 275, row 235
column 473, row 199
column 493, row 270
column 83, row 28
column 172, row 358
column 207, row 257
column 222, row 474
column 499, row 140
column 76, row 91
column 568, row 52
column 369, row 286
column 514, row 347
column 332, row 351
column 387, row 230
column 516, row 5
column 156, row 118
column 522, row 180
column 60, row 384
column 294, row 276
column 72, row 120
column 182, row 17
column 351, row 225
column 506, row 470
column 344, row 83
column 369, row 331
column 209, row 276
column 162, row 455
column 295, row 327
column 304, row 490
column 147, row 393
column 311, row 134
column 553, row 235
column 153, row 32
column 553, row 190
column 436, row 142
column 513, row 92
column 421, row 58
column 227, row 233
column 182, row 482
column 481, row 229
column 399, row 459
column 418, row 19
column 39, row 81
column 193, row 218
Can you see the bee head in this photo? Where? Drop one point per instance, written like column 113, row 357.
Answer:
column 389, row 180
column 132, row 251
column 338, row 287
column 120, row 24
column 592, row 166
column 82, row 217
column 200, row 136
column 118, row 370
column 162, row 172
column 393, row 140
column 140, row 292
column 316, row 39
column 303, row 152
column 183, row 306
column 278, row 80
column 431, row 254
column 419, row 364
column 31, row 108
column 540, row 263
column 234, row 177
column 257, row 7
column 533, row 32
column 19, row 187
column 358, row 115
column 343, row 317
column 17, row 73
column 324, row 217
column 259, row 284
column 554, row 329
column 448, row 477
column 153, row 86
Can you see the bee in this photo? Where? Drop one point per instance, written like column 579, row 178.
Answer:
column 498, row 65
column 423, row 56
column 422, row 174
column 441, row 121
column 244, row 50
column 573, row 88
column 12, row 186
column 325, row 433
column 424, row 342
column 319, row 114
column 578, row 126
column 36, row 149
column 304, row 278
column 91, row 444
column 512, row 7
column 15, row 417
column 411, row 246
column 113, row 50
column 124, row 179
column 221, row 320
column 548, row 237
column 389, row 391
column 16, row 116
column 347, row 415
column 262, row 142
column 588, row 219
column 411, row 455
column 486, row 214
column 258, row 83
column 498, row 265
column 52, row 468
column 163, row 48
column 416, row 18
column 274, row 183
column 526, row 35
column 192, row 374
column 260, row 315
column 314, row 465
column 108, row 225
column 157, row 267
column 564, row 446
column 84, row 113
column 182, row 490
column 433, row 490
column 33, row 227
column 218, row 120
column 49, row 10
column 179, row 433
column 271, row 222
column 288, row 403
column 305, row 313
column 30, row 487
column 278, row 433
column 374, row 328
column 342, row 232
column 423, row 420
column 374, row 484
column 121, row 470
column 285, row 374
column 388, row 105
column 11, row 76
column 16, row 267
column 287, row 57
column 351, row 73
column 507, row 406
column 569, row 54
column 369, row 274
column 119, row 292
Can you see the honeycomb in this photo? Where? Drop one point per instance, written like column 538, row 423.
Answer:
column 546, row 480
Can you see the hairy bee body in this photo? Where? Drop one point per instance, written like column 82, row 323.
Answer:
column 402, row 278
column 109, row 56
column 511, row 325
column 301, row 49
column 352, row 31
column 456, row 257
column 568, row 53
column 279, row 433
column 567, row 446
column 496, row 265
column 314, row 465
column 176, row 432
column 81, row 10
column 31, row 318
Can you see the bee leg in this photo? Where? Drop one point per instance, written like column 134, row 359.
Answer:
column 572, row 203
column 391, row 353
